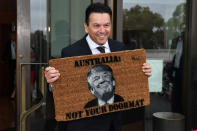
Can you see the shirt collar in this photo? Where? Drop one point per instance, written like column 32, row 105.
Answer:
column 94, row 45
column 110, row 101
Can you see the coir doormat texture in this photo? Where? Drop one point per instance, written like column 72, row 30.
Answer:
column 92, row 85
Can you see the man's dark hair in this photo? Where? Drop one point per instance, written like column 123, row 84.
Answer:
column 97, row 8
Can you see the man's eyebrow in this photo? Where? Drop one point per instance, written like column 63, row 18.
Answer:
column 107, row 23
column 96, row 76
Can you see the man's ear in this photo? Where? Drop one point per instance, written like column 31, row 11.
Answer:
column 85, row 27
column 92, row 90
column 113, row 82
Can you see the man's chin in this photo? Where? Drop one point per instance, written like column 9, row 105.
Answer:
column 102, row 41
column 107, row 96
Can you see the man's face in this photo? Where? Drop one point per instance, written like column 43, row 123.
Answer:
column 102, row 84
column 99, row 27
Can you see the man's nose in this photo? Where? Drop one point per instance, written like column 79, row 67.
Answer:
column 101, row 80
column 102, row 29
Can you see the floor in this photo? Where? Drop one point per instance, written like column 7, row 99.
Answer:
column 7, row 113
column 158, row 104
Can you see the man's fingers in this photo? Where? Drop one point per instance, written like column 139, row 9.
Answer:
column 148, row 74
column 52, row 71
column 53, row 79
column 49, row 69
column 146, row 68
column 51, row 74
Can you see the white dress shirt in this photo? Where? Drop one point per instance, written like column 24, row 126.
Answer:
column 93, row 46
column 13, row 49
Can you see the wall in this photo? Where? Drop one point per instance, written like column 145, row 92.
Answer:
column 7, row 11
column 193, row 89
column 7, row 16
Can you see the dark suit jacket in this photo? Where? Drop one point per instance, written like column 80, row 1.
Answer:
column 81, row 47
column 94, row 102
column 7, row 54
column 107, row 122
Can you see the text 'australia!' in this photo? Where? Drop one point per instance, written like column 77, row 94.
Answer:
column 95, row 61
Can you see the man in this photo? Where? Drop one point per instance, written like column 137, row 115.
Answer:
column 97, row 26
column 10, row 54
column 102, row 85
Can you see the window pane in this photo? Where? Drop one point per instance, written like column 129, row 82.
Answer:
column 159, row 27
column 67, row 18
column 38, row 12
column 153, row 24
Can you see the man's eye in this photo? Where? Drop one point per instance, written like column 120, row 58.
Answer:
column 106, row 26
column 107, row 76
column 96, row 26
column 96, row 78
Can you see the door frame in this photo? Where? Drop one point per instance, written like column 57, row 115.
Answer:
column 23, row 51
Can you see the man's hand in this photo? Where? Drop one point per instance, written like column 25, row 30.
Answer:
column 51, row 74
column 146, row 68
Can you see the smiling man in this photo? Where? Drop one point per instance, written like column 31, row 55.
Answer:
column 97, row 26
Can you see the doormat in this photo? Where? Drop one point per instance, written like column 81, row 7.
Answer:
column 92, row 85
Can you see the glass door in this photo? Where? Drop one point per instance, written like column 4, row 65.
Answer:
column 32, row 55
column 160, row 28
column 44, row 27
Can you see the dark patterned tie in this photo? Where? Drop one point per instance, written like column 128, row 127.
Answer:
column 101, row 49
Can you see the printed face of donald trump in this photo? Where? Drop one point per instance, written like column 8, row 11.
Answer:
column 101, row 82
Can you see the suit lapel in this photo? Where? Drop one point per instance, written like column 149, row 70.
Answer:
column 85, row 49
column 112, row 48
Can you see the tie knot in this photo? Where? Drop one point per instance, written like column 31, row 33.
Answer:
column 101, row 49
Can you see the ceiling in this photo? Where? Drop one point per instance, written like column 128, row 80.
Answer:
column 7, row 11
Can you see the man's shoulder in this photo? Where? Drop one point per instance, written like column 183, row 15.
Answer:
column 118, row 98
column 92, row 103
column 116, row 45
column 76, row 49
column 73, row 46
column 116, row 42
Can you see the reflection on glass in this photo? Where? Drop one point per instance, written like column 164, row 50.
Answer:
column 66, row 18
column 39, row 54
column 153, row 24
column 159, row 27
column 38, row 16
